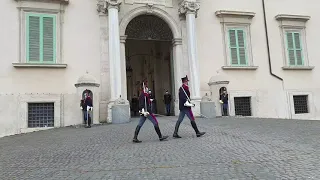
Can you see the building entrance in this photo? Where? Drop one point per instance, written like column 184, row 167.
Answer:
column 149, row 57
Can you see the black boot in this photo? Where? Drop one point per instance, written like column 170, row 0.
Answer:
column 194, row 125
column 135, row 138
column 89, row 122
column 161, row 138
column 225, row 112
column 176, row 129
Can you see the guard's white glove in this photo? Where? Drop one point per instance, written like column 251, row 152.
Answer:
column 144, row 113
column 89, row 108
column 188, row 104
column 81, row 108
column 151, row 100
column 221, row 101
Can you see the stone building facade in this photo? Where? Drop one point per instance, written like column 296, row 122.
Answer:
column 263, row 52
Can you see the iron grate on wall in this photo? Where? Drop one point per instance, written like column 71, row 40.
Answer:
column 242, row 106
column 40, row 115
column 300, row 104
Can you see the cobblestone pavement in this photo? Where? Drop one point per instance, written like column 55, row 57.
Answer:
column 233, row 148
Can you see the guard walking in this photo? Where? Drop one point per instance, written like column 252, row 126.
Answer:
column 185, row 108
column 145, row 112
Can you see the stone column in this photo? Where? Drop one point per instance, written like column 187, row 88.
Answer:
column 114, row 49
column 177, row 64
column 189, row 8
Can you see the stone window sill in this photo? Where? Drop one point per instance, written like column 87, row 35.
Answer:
column 239, row 67
column 298, row 67
column 34, row 65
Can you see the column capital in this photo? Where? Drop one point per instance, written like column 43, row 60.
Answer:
column 123, row 39
column 177, row 41
column 188, row 6
column 104, row 5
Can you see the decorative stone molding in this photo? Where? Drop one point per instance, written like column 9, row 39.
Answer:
column 288, row 17
column 298, row 67
column 31, row 65
column 177, row 41
column 287, row 20
column 175, row 28
column 189, row 7
column 104, row 5
column 166, row 3
column 87, row 80
column 123, row 39
column 234, row 16
column 49, row 1
column 240, row 67
column 120, row 101
column 150, row 8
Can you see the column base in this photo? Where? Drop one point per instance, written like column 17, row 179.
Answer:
column 176, row 108
column 103, row 116
column 196, row 110
column 119, row 112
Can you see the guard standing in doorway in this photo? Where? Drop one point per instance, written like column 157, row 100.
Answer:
column 87, row 107
column 135, row 105
column 145, row 112
column 224, row 102
column 167, row 101
column 185, row 108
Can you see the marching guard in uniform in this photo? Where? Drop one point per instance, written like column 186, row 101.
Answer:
column 145, row 112
column 185, row 108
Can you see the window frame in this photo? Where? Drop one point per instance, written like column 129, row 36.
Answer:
column 51, row 9
column 27, row 40
column 311, row 106
column 237, row 45
column 292, row 22
column 24, row 99
column 253, row 97
column 247, row 39
column 303, row 45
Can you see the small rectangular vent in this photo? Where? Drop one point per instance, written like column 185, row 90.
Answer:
column 40, row 115
column 300, row 104
column 242, row 106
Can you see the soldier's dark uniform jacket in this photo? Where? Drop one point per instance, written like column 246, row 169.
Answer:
column 142, row 102
column 86, row 102
column 183, row 98
column 167, row 98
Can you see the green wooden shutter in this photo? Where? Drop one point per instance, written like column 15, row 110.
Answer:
column 41, row 38
column 242, row 47
column 233, row 46
column 33, row 38
column 49, row 39
column 237, row 46
column 294, row 48
column 298, row 48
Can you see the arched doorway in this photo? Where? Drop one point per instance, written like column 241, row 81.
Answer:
column 149, row 56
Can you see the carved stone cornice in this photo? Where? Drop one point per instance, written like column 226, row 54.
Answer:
column 189, row 7
column 104, row 5
column 49, row 1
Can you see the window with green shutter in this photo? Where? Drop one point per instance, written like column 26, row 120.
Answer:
column 294, row 48
column 237, row 46
column 41, row 38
